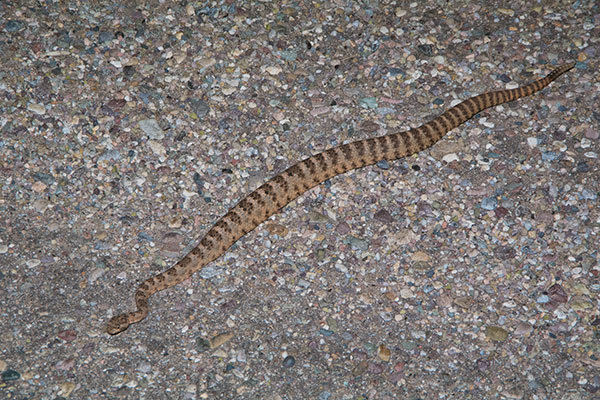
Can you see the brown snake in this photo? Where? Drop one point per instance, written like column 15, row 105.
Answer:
column 291, row 183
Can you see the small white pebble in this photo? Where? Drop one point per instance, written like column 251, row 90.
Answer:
column 506, row 11
column 400, row 12
column 186, row 193
column 532, row 142
column 585, row 143
column 509, row 304
column 273, row 70
column 450, row 157
column 486, row 123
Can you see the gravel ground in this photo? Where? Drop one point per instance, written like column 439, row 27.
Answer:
column 470, row 270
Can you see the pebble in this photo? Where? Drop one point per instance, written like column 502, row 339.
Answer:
column 418, row 334
column 199, row 107
column 383, row 216
column 591, row 133
column 220, row 353
column 532, row 142
column 543, row 299
column 557, row 294
column 288, row 55
column 157, row 148
column 464, row 301
column 506, row 11
column 209, row 272
column 325, row 332
column 220, row 339
column 486, row 123
column 229, row 90
column 110, row 155
column 444, row 148
column 277, row 229
column 10, row 375
column 105, row 36
column 450, row 157
column 324, row 395
column 202, row 344
column 39, row 109
column 341, row 267
column 66, row 388
column 420, row 256
column 386, row 316
column 425, row 49
column 357, row 243
column 496, row 333
column 580, row 303
column 39, row 187
column 191, row 388
column 67, row 335
column 523, row 329
column 368, row 102
column 303, row 283
column 289, row 361
column 384, row 353
column 65, row 365
column 489, row 203
column 13, row 25
column 383, row 164
column 342, row 228
column 144, row 367
column 273, row 70
column 400, row 12
column 585, row 143
column 95, row 274
column 152, row 129
column 395, row 71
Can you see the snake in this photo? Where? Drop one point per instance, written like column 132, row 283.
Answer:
column 280, row 190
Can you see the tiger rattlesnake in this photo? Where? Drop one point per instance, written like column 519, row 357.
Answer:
column 291, row 183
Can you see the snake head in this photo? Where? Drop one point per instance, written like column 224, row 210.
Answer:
column 117, row 324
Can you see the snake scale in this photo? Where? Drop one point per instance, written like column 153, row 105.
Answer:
column 291, row 183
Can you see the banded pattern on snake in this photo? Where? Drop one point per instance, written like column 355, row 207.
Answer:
column 287, row 186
